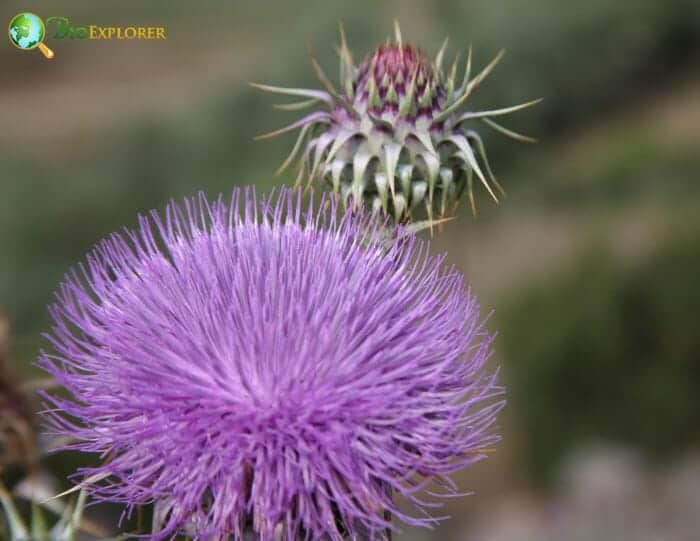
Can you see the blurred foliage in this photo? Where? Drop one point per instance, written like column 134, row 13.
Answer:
column 634, row 168
column 605, row 494
column 584, row 58
column 609, row 351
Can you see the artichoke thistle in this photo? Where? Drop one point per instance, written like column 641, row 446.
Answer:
column 397, row 135
column 305, row 373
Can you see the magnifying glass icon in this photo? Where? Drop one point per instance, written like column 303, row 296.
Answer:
column 27, row 31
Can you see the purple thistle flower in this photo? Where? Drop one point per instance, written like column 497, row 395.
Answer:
column 270, row 369
column 397, row 134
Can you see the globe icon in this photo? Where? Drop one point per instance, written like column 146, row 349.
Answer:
column 27, row 32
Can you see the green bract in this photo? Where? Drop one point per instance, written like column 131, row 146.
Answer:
column 397, row 134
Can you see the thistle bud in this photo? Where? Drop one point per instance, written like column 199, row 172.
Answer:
column 397, row 135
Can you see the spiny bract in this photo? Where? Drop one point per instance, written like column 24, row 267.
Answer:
column 275, row 370
column 396, row 135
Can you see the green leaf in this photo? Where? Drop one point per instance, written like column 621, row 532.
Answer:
column 40, row 530
column 18, row 531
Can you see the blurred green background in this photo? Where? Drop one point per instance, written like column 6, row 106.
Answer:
column 591, row 264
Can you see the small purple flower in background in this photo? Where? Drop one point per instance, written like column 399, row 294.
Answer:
column 254, row 366
column 397, row 134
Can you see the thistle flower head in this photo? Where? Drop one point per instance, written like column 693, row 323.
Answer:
column 396, row 83
column 398, row 134
column 253, row 366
